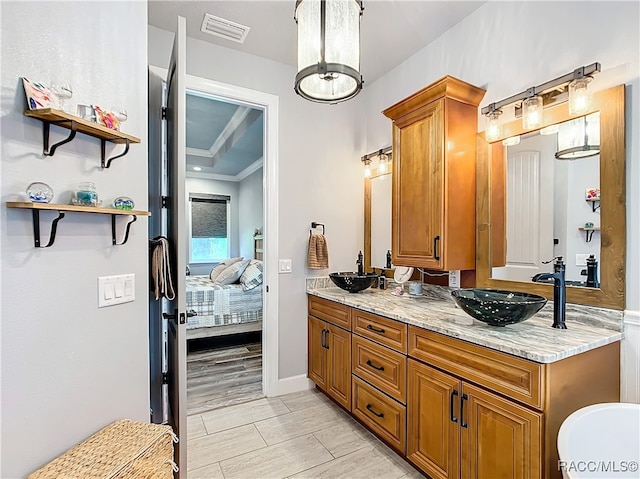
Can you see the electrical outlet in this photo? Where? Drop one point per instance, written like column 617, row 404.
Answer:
column 581, row 259
column 454, row 278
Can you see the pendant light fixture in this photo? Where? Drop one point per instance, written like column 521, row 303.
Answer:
column 579, row 138
column 328, row 49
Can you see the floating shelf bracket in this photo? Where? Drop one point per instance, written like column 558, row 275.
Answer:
column 126, row 232
column 73, row 126
column 107, row 163
column 36, row 228
column 593, row 205
column 588, row 235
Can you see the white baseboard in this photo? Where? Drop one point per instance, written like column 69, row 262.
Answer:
column 630, row 358
column 294, row 384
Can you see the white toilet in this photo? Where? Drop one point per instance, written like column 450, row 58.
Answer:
column 601, row 441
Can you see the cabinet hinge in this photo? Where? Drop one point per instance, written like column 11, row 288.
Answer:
column 165, row 378
column 164, row 112
column 165, row 202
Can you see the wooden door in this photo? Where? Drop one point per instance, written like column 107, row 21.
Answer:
column 433, row 421
column 417, row 194
column 339, row 365
column 176, row 222
column 500, row 439
column 317, row 353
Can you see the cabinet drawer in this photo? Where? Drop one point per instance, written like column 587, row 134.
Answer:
column 514, row 377
column 334, row 313
column 380, row 366
column 382, row 330
column 380, row 413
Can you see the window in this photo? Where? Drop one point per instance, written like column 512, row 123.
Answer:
column 209, row 228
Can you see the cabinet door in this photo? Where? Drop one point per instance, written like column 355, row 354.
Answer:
column 433, row 431
column 317, row 355
column 339, row 365
column 501, row 439
column 418, row 182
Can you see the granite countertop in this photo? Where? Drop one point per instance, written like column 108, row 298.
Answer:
column 534, row 339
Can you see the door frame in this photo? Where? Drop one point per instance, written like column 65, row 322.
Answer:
column 269, row 104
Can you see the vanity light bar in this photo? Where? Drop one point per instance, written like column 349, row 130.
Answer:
column 373, row 154
column 559, row 83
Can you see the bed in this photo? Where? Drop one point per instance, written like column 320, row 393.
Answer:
column 221, row 310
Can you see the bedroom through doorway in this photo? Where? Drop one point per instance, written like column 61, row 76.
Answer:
column 224, row 279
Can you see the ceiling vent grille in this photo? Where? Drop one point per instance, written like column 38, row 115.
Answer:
column 223, row 28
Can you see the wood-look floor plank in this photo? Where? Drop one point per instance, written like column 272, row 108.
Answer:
column 223, row 376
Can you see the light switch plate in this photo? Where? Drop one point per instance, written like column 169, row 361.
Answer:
column 284, row 266
column 116, row 289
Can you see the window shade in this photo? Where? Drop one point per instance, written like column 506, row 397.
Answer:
column 208, row 215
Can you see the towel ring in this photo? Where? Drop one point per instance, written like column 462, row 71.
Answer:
column 314, row 225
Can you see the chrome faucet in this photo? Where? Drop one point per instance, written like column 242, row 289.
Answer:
column 559, row 292
column 360, row 263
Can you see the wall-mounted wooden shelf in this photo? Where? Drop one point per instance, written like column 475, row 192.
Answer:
column 76, row 124
column 589, row 232
column 61, row 209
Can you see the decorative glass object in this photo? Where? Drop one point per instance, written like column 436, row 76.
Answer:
column 493, row 129
column 123, row 203
column 86, row 195
column 40, row 192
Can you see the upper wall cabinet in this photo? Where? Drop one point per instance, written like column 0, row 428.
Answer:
column 433, row 193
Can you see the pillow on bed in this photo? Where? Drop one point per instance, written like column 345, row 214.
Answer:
column 252, row 276
column 219, row 268
column 232, row 273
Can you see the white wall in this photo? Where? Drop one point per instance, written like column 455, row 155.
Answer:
column 250, row 215
column 319, row 175
column 506, row 47
column 69, row 368
column 217, row 187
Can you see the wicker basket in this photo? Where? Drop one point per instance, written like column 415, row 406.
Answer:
column 123, row 449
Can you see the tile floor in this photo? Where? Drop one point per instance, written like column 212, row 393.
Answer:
column 300, row 435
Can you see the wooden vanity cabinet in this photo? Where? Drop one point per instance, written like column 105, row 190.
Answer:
column 433, row 192
column 329, row 349
column 473, row 412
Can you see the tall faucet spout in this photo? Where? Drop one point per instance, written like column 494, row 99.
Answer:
column 559, row 292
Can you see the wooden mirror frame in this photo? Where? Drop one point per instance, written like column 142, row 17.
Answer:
column 490, row 215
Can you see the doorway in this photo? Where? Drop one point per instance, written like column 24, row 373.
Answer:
column 268, row 105
column 225, row 284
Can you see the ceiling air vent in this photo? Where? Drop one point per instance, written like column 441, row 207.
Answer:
column 221, row 27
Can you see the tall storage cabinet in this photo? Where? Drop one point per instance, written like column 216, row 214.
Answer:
column 433, row 197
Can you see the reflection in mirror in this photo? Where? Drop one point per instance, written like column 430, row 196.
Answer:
column 552, row 182
column 380, row 219
column 610, row 211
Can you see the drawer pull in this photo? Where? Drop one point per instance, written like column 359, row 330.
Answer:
column 379, row 368
column 462, row 400
column 375, row 330
column 454, row 393
column 370, row 409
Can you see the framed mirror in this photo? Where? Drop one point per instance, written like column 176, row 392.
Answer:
column 532, row 206
column 377, row 220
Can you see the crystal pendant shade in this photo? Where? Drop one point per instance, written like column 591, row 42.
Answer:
column 329, row 54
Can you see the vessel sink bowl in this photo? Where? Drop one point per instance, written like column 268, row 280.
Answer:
column 353, row 282
column 496, row 307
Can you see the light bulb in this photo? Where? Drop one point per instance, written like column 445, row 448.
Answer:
column 532, row 113
column 367, row 168
column 493, row 128
column 383, row 164
column 579, row 96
